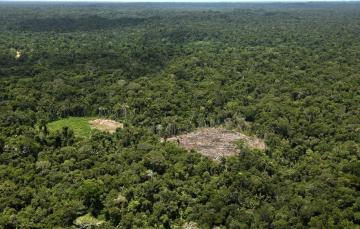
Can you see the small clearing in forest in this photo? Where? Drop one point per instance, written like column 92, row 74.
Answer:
column 82, row 126
column 106, row 125
column 216, row 142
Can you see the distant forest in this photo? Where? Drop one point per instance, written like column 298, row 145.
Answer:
column 288, row 73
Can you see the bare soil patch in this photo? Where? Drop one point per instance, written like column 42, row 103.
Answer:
column 106, row 125
column 216, row 142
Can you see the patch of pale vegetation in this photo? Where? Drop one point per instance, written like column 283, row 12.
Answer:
column 216, row 143
column 190, row 225
column 120, row 199
column 18, row 55
column 87, row 221
column 106, row 125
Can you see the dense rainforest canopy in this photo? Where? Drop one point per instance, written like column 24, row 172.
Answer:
column 288, row 73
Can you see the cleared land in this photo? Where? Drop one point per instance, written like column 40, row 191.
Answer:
column 216, row 142
column 106, row 125
column 82, row 126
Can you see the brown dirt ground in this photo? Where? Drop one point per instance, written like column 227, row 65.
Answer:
column 105, row 125
column 216, row 142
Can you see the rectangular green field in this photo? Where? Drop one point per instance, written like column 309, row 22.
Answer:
column 80, row 125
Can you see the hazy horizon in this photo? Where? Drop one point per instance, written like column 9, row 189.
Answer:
column 183, row 1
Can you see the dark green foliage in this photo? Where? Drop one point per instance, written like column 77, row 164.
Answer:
column 287, row 73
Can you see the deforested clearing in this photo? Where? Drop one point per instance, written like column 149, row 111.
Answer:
column 217, row 142
column 83, row 126
column 106, row 125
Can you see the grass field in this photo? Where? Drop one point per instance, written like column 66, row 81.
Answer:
column 80, row 125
